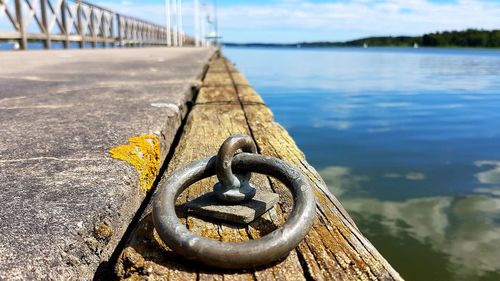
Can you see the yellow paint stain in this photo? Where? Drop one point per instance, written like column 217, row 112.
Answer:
column 142, row 152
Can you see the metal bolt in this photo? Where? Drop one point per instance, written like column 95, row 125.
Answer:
column 233, row 188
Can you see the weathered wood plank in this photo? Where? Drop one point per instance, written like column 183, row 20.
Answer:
column 223, row 94
column 333, row 250
column 248, row 95
column 218, row 79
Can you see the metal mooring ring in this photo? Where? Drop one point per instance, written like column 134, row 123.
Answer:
column 234, row 255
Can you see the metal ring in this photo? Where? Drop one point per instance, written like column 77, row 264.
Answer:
column 234, row 255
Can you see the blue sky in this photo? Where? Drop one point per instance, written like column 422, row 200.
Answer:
column 311, row 20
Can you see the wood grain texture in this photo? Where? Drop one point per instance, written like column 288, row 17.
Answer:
column 333, row 250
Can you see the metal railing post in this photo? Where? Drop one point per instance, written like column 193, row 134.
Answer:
column 79, row 24
column 64, row 9
column 169, row 26
column 104, row 29
column 112, row 30
column 196, row 23
column 23, row 42
column 120, row 31
column 180, row 29
column 175, row 26
column 43, row 8
column 92, row 24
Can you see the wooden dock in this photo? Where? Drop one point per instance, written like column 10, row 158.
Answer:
column 335, row 249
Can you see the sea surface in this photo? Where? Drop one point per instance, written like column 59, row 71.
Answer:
column 407, row 139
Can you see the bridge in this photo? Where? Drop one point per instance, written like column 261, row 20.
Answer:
column 88, row 135
column 79, row 24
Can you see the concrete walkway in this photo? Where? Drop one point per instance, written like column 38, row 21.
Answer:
column 65, row 202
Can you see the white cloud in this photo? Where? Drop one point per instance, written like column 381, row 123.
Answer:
column 292, row 21
column 343, row 20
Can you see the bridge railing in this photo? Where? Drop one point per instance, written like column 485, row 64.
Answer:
column 73, row 22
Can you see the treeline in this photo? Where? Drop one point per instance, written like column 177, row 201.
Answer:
column 466, row 38
column 399, row 41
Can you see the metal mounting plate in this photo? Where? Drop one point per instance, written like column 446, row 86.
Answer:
column 209, row 206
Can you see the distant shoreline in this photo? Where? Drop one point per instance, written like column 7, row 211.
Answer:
column 292, row 46
column 470, row 38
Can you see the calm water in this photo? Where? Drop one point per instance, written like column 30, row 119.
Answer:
column 408, row 139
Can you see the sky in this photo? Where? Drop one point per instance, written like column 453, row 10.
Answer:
column 290, row 21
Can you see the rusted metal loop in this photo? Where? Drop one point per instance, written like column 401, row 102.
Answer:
column 234, row 255
column 233, row 188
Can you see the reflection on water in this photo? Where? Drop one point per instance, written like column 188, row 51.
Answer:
column 489, row 176
column 414, row 176
column 464, row 229
column 408, row 139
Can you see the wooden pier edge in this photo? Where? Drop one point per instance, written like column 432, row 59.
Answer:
column 334, row 249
